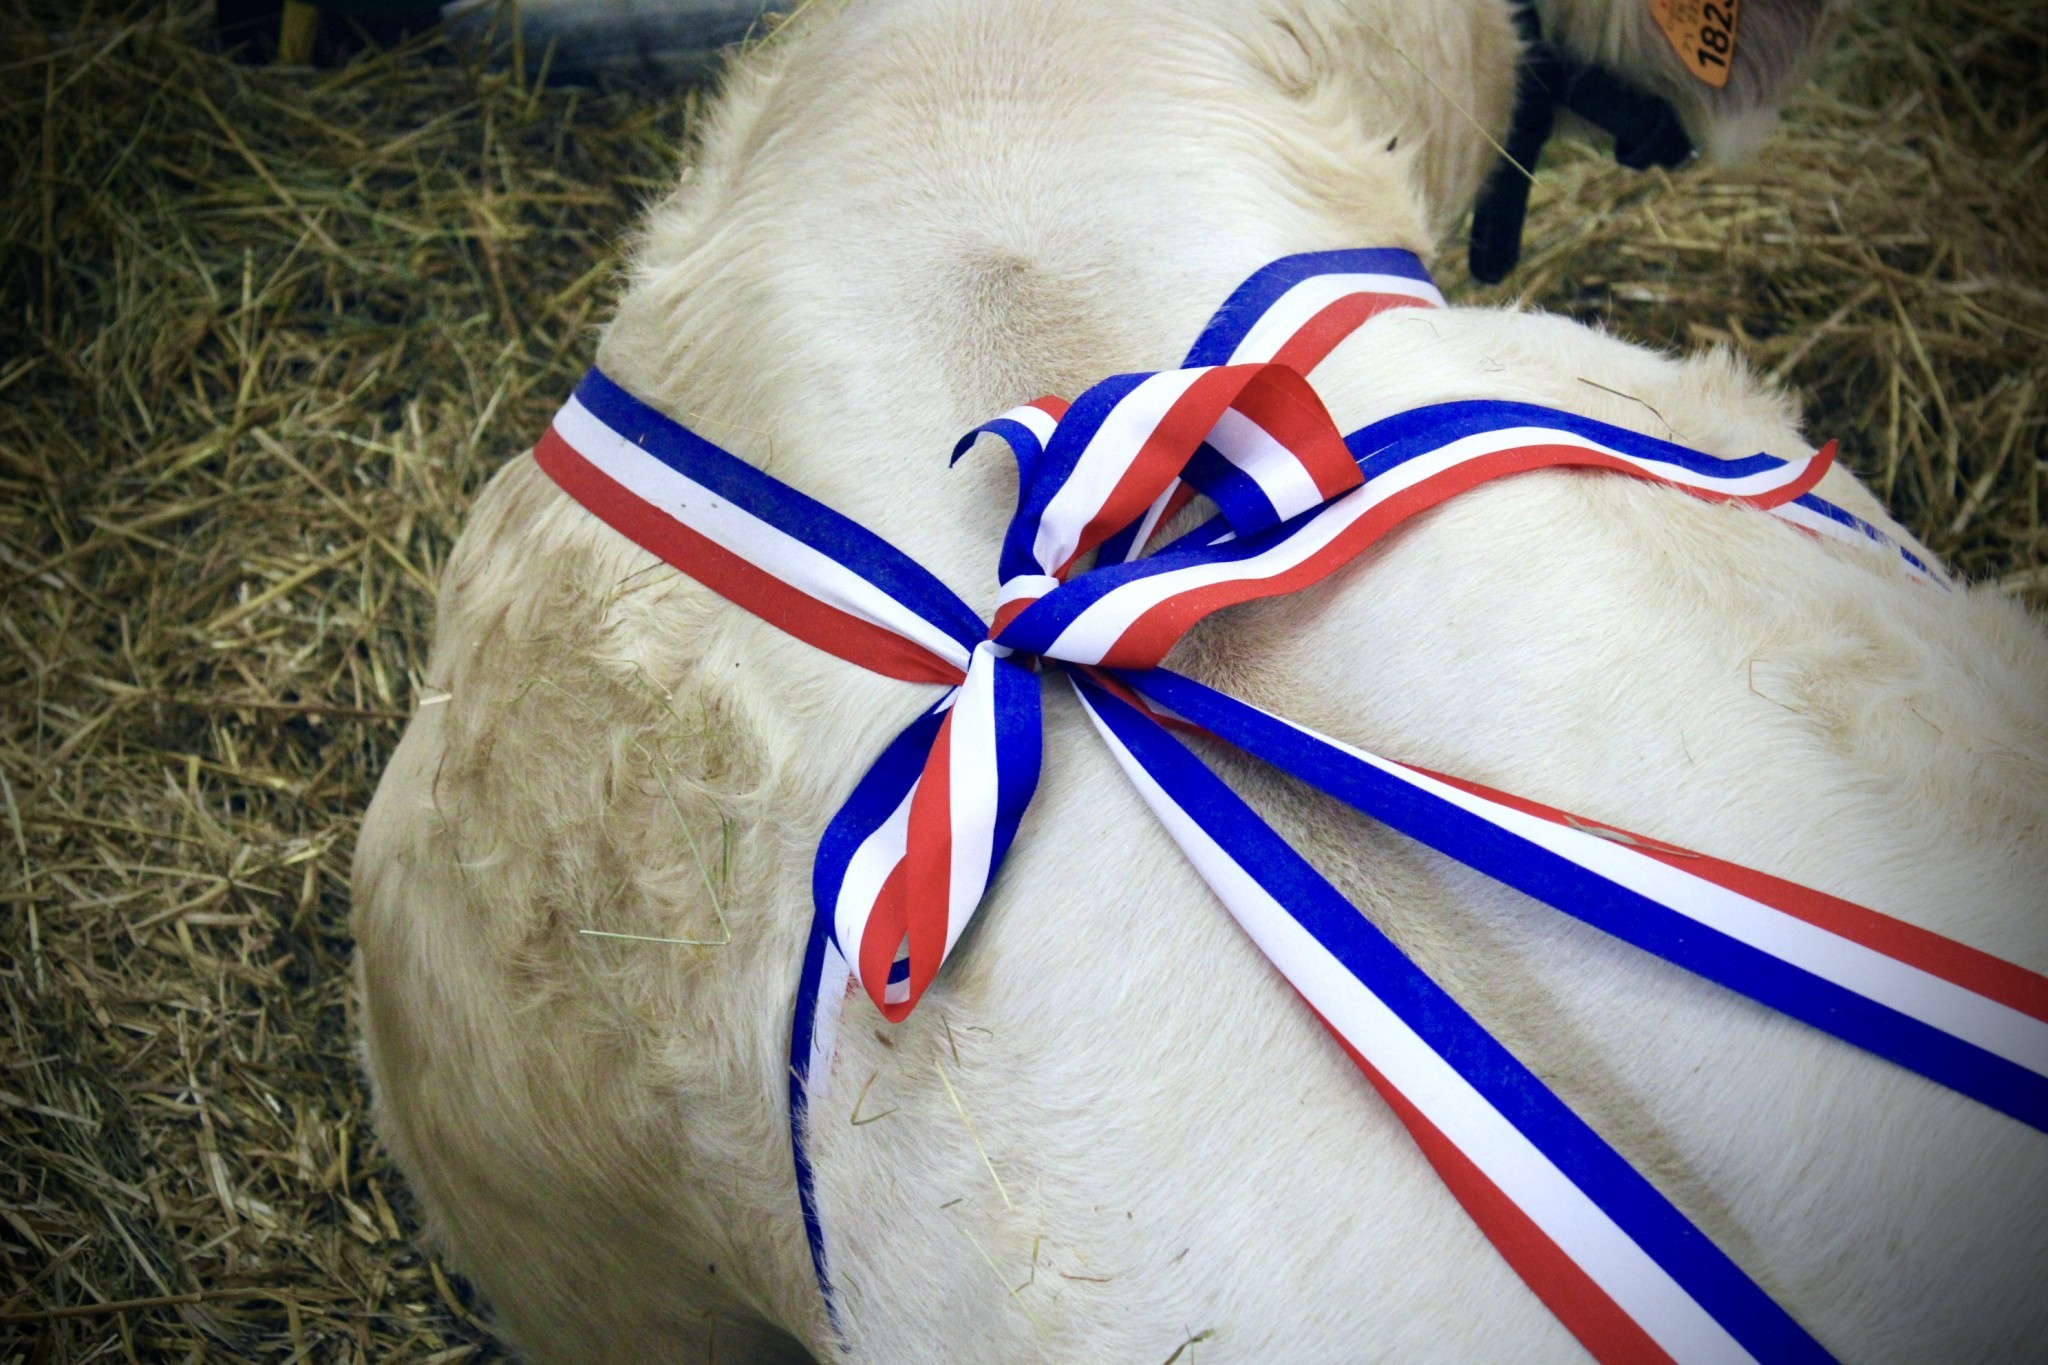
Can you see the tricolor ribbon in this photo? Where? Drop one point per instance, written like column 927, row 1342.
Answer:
column 910, row 855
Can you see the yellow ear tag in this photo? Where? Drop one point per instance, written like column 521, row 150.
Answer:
column 1702, row 33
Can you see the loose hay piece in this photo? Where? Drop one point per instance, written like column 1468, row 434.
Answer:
column 264, row 333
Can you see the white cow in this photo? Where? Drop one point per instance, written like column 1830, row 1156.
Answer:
column 906, row 217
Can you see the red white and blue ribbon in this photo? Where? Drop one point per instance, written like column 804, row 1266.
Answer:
column 1619, row 1266
column 910, row 855
column 1965, row 1018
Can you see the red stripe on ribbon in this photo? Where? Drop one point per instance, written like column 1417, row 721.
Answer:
column 1007, row 613
column 1158, row 462
column 1338, row 319
column 1809, row 478
column 880, row 938
column 1138, row 702
column 1279, row 400
column 743, row 584
column 1602, row 1326
column 1994, row 978
column 1283, row 404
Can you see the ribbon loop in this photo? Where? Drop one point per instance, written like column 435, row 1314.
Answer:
column 1255, row 437
column 1024, row 429
column 959, row 819
column 857, row 878
column 1273, row 453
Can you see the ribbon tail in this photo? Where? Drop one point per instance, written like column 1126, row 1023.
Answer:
column 856, row 892
column 1960, row 1017
column 1130, row 615
column 820, row 992
column 1623, row 1269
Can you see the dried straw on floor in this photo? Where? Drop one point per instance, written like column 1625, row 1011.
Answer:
column 263, row 334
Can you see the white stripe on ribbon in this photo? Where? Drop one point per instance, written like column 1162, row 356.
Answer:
column 1581, row 1229
column 1024, row 585
column 1863, row 534
column 1271, row 465
column 1292, row 310
column 1411, row 472
column 1034, row 419
column 973, row 789
column 690, row 504
column 1103, row 462
column 866, row 871
column 1150, row 523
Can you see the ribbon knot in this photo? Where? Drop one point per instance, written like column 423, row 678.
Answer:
column 1254, row 438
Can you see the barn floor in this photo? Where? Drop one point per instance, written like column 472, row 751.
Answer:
column 265, row 332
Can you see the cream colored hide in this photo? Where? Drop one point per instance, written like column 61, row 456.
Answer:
column 906, row 218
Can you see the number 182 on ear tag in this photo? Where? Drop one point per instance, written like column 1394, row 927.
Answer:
column 1702, row 33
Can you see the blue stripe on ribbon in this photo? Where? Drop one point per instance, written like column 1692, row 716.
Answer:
column 1243, row 309
column 803, row 1028
column 1685, row 1253
column 1628, row 915
column 1842, row 517
column 804, row 518
column 1020, row 742
column 1236, row 494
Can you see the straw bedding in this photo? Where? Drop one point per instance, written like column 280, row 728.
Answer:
column 265, row 332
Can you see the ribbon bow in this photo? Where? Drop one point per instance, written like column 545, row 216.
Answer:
column 909, row 856
column 1256, row 439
